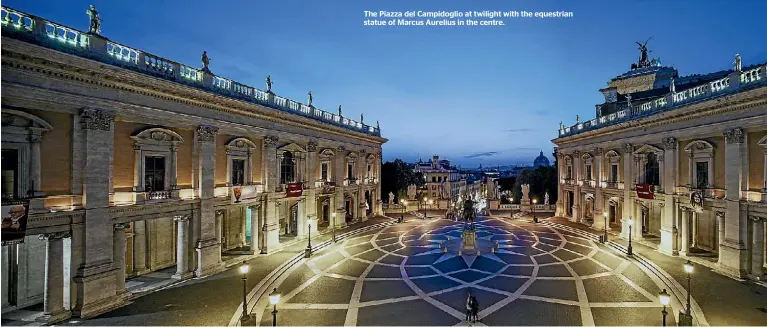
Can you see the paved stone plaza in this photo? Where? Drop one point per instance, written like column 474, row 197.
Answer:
column 399, row 276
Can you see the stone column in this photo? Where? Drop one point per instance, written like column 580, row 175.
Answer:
column 311, row 177
column 53, row 301
column 628, row 189
column 667, row 227
column 254, row 228
column 720, row 229
column 561, row 173
column 599, row 206
column 271, row 220
column 340, row 168
column 207, row 247
column 249, row 171
column 694, row 227
column 757, row 249
column 685, row 237
column 139, row 248
column 174, row 170
column 577, row 214
column 182, row 248
column 138, row 168
column 269, row 163
column 302, row 219
column 95, row 276
column 733, row 254
column 34, row 164
column 119, row 250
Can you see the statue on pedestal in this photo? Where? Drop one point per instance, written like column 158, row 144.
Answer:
column 310, row 99
column 672, row 87
column 339, row 111
column 391, row 198
column 738, row 63
column 525, row 193
column 205, row 61
column 362, row 118
column 546, row 199
column 269, row 83
column 411, row 192
column 95, row 23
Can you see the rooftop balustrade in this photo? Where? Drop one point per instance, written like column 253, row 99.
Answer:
column 733, row 83
column 49, row 34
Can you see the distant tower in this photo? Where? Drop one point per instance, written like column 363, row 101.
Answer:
column 435, row 162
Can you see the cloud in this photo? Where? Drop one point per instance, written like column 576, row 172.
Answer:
column 518, row 130
column 482, row 154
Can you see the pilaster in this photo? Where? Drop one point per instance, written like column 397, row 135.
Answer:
column 668, row 219
column 733, row 252
column 208, row 247
column 95, row 276
column 577, row 176
column 628, row 179
column 599, row 206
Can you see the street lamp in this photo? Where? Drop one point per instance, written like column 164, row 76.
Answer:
column 511, row 215
column 274, row 298
column 424, row 206
column 431, row 202
column 631, row 223
column 664, row 299
column 308, row 251
column 604, row 239
column 334, row 226
column 535, row 219
column 244, row 272
column 688, row 269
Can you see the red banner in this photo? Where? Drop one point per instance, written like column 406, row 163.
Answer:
column 294, row 190
column 644, row 191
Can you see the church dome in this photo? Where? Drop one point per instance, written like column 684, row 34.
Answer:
column 541, row 161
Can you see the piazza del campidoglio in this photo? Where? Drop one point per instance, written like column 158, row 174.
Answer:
column 534, row 275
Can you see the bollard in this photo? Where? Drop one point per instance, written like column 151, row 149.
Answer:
column 445, row 249
column 479, row 253
column 492, row 250
column 459, row 252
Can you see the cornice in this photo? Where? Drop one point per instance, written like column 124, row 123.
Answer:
column 125, row 80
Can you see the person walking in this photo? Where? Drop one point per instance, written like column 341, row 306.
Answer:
column 468, row 307
column 474, row 309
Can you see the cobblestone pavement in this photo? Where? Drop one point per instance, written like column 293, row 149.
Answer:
column 398, row 275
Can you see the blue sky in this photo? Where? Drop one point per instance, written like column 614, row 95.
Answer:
column 489, row 95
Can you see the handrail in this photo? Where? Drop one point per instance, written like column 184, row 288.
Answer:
column 49, row 34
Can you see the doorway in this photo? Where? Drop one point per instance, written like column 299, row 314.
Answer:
column 292, row 228
column 570, row 198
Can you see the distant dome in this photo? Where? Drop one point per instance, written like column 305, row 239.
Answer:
column 541, row 161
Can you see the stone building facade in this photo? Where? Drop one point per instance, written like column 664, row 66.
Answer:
column 133, row 163
column 443, row 183
column 683, row 158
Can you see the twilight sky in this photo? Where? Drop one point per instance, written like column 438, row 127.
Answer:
column 475, row 95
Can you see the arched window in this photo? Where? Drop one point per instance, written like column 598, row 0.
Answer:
column 287, row 168
column 652, row 169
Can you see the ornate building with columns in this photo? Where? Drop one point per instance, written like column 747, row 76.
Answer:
column 133, row 163
column 681, row 157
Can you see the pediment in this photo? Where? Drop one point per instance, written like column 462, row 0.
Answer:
column 612, row 153
column 327, row 153
column 351, row 155
column 158, row 134
column 291, row 147
column 22, row 119
column 241, row 143
column 763, row 142
column 699, row 146
column 648, row 149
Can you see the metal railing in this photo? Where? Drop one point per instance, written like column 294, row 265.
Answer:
column 43, row 32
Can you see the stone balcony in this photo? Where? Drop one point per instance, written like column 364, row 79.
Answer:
column 142, row 197
column 613, row 185
column 587, row 183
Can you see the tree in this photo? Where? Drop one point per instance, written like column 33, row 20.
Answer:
column 542, row 180
column 396, row 176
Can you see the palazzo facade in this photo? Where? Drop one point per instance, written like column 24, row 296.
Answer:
column 682, row 158
column 133, row 163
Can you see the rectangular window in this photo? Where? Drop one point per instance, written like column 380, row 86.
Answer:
column 154, row 174
column 614, row 173
column 569, row 172
column 588, row 172
column 350, row 171
column 370, row 171
column 238, row 172
column 324, row 172
column 701, row 174
column 10, row 173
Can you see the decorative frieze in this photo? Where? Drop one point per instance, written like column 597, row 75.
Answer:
column 734, row 136
column 270, row 141
column 311, row 146
column 669, row 143
column 96, row 119
column 55, row 235
column 206, row 133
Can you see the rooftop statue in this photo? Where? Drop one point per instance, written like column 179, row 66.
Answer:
column 643, row 62
column 95, row 25
column 377, row 125
column 628, row 100
column 672, row 87
column 310, row 99
column 339, row 111
column 738, row 63
column 362, row 118
column 269, row 83
column 205, row 61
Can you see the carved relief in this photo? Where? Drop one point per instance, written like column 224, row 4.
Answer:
column 54, row 235
column 628, row 147
column 598, row 151
column 96, row 119
column 734, row 136
column 270, row 141
column 311, row 146
column 206, row 133
column 669, row 143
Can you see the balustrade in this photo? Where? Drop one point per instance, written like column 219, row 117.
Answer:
column 720, row 84
column 157, row 195
column 13, row 20
column 121, row 52
column 752, row 75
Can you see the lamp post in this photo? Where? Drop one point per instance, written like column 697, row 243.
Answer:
column 423, row 206
column 511, row 215
column 334, row 227
column 274, row 298
column 535, row 219
column 604, row 239
column 664, row 300
column 244, row 271
column 631, row 223
column 685, row 317
column 430, row 203
column 308, row 251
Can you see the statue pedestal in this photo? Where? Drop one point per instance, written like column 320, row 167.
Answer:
column 469, row 240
